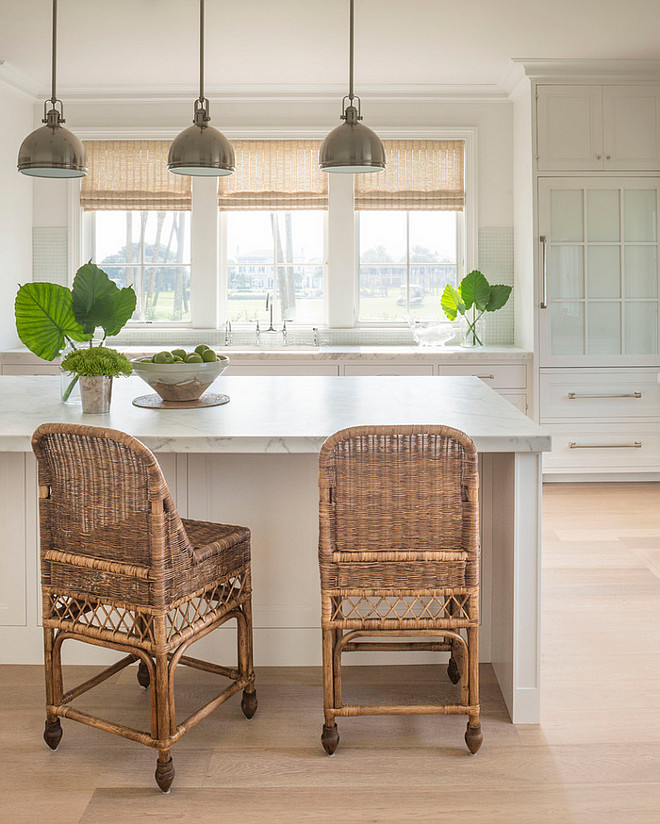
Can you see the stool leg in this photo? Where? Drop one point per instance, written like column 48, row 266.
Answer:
column 330, row 734
column 53, row 728
column 164, row 765
column 143, row 675
column 249, row 701
column 473, row 735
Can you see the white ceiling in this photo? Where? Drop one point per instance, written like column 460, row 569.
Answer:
column 153, row 44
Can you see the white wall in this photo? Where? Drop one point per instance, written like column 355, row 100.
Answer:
column 15, row 210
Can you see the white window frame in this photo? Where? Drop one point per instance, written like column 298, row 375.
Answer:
column 208, row 297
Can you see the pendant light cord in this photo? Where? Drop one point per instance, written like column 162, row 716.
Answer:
column 201, row 51
column 350, row 48
column 53, row 96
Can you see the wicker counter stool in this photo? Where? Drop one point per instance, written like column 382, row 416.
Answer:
column 121, row 569
column 399, row 558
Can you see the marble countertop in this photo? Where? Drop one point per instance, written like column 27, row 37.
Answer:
column 278, row 414
column 239, row 352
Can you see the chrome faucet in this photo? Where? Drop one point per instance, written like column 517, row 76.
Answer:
column 269, row 305
column 271, row 328
column 228, row 335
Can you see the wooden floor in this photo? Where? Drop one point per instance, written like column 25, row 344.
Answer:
column 595, row 758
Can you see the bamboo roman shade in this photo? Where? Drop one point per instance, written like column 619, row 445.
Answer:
column 132, row 174
column 420, row 174
column 275, row 174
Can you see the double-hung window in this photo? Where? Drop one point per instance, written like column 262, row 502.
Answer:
column 410, row 229
column 272, row 227
column 137, row 225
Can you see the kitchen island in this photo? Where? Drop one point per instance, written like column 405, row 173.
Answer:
column 253, row 461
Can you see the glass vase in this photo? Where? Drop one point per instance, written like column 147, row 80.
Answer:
column 472, row 333
column 69, row 383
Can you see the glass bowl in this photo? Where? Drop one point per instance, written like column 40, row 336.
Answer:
column 180, row 382
column 432, row 332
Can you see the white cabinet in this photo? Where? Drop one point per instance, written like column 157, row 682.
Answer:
column 601, row 420
column 598, row 127
column 599, row 271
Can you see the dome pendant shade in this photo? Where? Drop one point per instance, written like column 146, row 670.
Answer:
column 203, row 151
column 352, row 148
column 52, row 151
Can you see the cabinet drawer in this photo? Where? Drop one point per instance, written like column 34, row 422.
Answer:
column 598, row 394
column 603, row 447
column 388, row 369
column 271, row 368
column 497, row 376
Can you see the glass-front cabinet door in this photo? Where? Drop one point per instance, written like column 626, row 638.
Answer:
column 599, row 271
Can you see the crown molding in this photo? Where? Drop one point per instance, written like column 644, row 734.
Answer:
column 585, row 69
column 19, row 82
column 515, row 80
column 275, row 92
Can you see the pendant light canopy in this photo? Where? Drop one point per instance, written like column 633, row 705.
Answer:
column 52, row 150
column 200, row 149
column 352, row 148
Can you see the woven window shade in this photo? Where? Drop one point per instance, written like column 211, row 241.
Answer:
column 420, row 174
column 275, row 174
column 132, row 174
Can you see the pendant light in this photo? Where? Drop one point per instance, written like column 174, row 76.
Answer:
column 52, row 150
column 200, row 149
column 352, row 148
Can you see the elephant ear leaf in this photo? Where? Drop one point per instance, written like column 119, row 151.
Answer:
column 115, row 310
column 45, row 319
column 475, row 290
column 97, row 301
column 499, row 294
column 451, row 302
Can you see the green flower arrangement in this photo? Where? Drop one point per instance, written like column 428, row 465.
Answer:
column 97, row 360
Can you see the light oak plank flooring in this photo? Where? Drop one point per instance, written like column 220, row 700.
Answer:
column 594, row 759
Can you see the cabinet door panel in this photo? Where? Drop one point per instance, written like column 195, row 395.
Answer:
column 569, row 128
column 631, row 128
column 603, row 282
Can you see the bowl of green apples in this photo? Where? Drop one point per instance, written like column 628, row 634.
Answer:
column 180, row 376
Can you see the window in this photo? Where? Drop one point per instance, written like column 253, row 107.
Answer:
column 405, row 260
column 137, row 225
column 149, row 251
column 277, row 253
column 285, row 229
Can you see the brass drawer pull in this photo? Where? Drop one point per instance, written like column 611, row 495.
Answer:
column 485, row 377
column 573, row 396
column 573, row 445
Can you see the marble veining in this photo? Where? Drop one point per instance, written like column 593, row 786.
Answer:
column 269, row 414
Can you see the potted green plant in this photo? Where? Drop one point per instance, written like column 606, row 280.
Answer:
column 473, row 297
column 95, row 367
column 50, row 317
